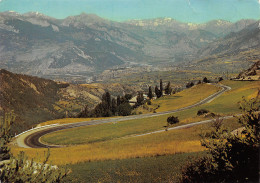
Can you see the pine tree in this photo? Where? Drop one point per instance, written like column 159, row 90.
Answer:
column 205, row 80
column 128, row 97
column 114, row 106
column 140, row 98
column 161, row 88
column 118, row 100
column 107, row 101
column 150, row 93
column 168, row 88
column 157, row 92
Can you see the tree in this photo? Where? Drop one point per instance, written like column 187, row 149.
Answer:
column 157, row 92
column 106, row 100
column 220, row 79
column 202, row 111
column 5, row 136
column 168, row 88
column 205, row 80
column 128, row 96
column 171, row 120
column 140, row 98
column 161, row 88
column 189, row 85
column 124, row 109
column 118, row 100
column 232, row 157
column 114, row 106
column 150, row 93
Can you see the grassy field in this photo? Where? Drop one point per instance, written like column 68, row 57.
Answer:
column 228, row 103
column 110, row 131
column 106, row 153
column 165, row 143
column 184, row 98
column 150, row 169
column 104, row 142
column 225, row 105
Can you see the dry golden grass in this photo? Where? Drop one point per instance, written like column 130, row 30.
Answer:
column 112, row 150
column 182, row 99
column 70, row 120
column 171, row 142
column 185, row 97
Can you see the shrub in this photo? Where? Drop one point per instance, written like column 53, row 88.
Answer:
column 202, row 111
column 124, row 109
column 220, row 79
column 232, row 157
column 205, row 80
column 172, row 120
column 21, row 169
column 189, row 85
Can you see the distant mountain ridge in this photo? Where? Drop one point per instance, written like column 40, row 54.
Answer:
column 86, row 44
column 245, row 39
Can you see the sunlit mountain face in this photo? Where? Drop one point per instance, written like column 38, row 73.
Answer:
column 84, row 45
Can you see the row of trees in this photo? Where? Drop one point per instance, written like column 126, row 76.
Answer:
column 159, row 91
column 204, row 80
column 109, row 107
column 191, row 84
column 120, row 106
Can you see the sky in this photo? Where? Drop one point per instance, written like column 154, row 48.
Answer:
column 194, row 11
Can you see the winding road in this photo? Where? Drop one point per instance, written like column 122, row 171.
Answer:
column 31, row 138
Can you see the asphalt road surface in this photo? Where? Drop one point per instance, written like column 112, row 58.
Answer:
column 31, row 138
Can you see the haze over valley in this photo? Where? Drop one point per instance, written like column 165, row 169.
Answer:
column 80, row 48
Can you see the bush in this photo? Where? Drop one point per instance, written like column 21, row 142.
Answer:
column 172, row 120
column 202, row 111
column 149, row 102
column 220, row 79
column 21, row 169
column 205, row 80
column 232, row 157
column 124, row 109
column 189, row 85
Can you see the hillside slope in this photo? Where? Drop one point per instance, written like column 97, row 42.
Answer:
column 235, row 42
column 35, row 100
column 31, row 98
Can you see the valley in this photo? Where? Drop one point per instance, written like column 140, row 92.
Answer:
column 139, row 100
column 89, row 49
column 116, row 143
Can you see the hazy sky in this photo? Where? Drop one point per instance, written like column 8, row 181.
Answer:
column 196, row 11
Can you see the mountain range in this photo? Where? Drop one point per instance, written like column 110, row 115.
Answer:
column 84, row 45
